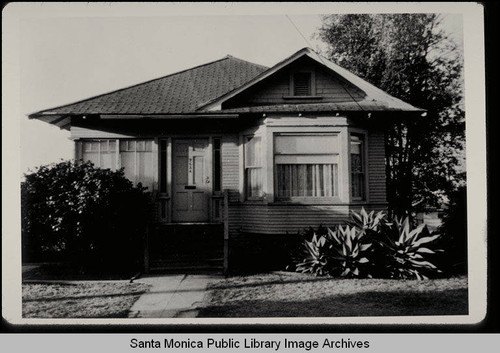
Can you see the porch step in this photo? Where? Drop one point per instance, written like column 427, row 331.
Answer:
column 186, row 248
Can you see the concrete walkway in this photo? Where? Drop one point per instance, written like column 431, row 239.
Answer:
column 171, row 296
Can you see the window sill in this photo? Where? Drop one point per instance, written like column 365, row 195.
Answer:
column 302, row 97
column 311, row 202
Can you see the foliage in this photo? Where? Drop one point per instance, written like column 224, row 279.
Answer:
column 316, row 254
column 454, row 234
column 411, row 57
column 367, row 222
column 405, row 250
column 350, row 252
column 81, row 214
column 371, row 245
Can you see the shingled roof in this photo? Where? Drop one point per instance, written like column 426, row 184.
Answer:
column 178, row 93
column 201, row 91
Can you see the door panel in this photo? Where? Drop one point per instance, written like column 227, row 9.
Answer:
column 192, row 183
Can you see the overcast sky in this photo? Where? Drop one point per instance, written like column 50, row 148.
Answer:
column 72, row 53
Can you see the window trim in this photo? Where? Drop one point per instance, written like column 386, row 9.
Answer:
column 336, row 157
column 364, row 163
column 245, row 167
column 312, row 82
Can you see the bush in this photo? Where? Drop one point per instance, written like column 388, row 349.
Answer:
column 454, row 234
column 371, row 245
column 82, row 215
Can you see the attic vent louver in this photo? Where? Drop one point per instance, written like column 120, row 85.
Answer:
column 302, row 84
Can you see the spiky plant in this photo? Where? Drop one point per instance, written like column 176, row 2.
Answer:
column 349, row 255
column 406, row 250
column 315, row 256
column 367, row 221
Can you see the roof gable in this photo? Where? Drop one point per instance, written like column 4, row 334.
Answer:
column 373, row 97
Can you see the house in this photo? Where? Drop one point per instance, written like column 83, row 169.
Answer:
column 253, row 152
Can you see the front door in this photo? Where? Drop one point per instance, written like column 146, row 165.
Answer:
column 192, row 184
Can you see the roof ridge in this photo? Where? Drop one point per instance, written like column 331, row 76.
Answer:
column 228, row 56
column 32, row 115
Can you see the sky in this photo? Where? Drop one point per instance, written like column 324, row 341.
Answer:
column 68, row 53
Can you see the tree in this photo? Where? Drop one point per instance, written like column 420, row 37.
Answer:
column 411, row 57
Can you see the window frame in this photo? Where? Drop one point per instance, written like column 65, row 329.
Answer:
column 246, row 138
column 335, row 157
column 364, row 164
column 312, row 84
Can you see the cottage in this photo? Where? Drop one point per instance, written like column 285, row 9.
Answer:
column 237, row 155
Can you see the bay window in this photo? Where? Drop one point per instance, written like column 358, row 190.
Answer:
column 253, row 167
column 357, row 167
column 306, row 166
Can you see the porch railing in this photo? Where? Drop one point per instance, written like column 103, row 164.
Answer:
column 219, row 208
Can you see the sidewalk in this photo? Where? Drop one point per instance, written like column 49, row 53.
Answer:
column 171, row 296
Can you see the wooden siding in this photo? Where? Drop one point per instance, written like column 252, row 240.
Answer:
column 277, row 90
column 282, row 219
column 231, row 166
column 376, row 168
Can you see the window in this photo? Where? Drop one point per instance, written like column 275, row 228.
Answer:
column 253, row 167
column 100, row 152
column 136, row 156
column 357, row 167
column 302, row 84
column 306, row 166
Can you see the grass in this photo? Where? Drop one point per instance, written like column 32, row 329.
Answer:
column 287, row 294
column 80, row 300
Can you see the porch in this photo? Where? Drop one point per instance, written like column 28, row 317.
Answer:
column 195, row 247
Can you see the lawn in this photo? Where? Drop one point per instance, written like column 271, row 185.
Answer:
column 91, row 299
column 287, row 294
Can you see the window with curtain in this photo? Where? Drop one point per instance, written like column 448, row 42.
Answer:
column 100, row 152
column 357, row 167
column 306, row 166
column 136, row 157
column 253, row 167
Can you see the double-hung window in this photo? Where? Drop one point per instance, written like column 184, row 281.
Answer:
column 357, row 167
column 253, row 167
column 306, row 166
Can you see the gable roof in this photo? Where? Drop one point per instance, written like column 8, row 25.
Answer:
column 375, row 99
column 202, row 89
column 177, row 93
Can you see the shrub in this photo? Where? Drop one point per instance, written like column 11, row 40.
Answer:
column 371, row 245
column 339, row 252
column 454, row 234
column 350, row 256
column 405, row 250
column 91, row 217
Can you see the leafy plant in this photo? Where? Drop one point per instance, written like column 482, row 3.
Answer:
column 367, row 221
column 348, row 253
column 75, row 212
column 406, row 250
column 315, row 256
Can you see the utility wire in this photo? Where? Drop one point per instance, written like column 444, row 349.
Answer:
column 321, row 58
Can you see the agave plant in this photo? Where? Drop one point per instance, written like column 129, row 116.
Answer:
column 350, row 252
column 315, row 256
column 367, row 221
column 406, row 250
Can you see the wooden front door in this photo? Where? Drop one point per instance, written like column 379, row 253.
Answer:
column 192, row 181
